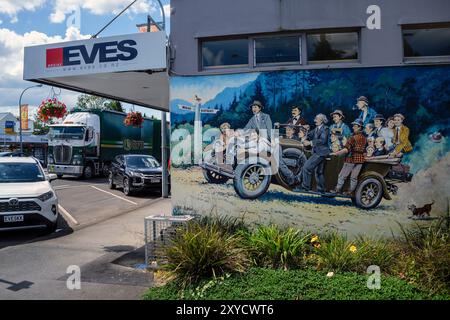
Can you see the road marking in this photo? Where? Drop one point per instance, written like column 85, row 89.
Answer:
column 122, row 198
column 67, row 214
column 64, row 187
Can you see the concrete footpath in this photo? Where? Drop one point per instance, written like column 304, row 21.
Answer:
column 38, row 270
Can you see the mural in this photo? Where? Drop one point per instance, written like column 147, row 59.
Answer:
column 355, row 150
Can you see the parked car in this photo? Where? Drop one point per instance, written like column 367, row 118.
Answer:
column 27, row 199
column 253, row 174
column 12, row 154
column 135, row 172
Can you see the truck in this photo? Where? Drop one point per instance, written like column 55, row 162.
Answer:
column 85, row 143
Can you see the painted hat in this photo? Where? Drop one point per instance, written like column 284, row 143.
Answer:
column 358, row 122
column 399, row 115
column 436, row 137
column 339, row 112
column 379, row 117
column 257, row 103
column 363, row 98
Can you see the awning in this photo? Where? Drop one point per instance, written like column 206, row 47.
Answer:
column 130, row 68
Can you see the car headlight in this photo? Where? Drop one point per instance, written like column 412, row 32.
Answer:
column 136, row 174
column 44, row 197
column 76, row 159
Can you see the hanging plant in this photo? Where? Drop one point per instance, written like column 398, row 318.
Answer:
column 134, row 118
column 51, row 108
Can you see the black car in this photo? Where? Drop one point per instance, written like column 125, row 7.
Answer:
column 135, row 173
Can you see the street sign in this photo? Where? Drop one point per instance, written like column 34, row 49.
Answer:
column 9, row 127
column 184, row 107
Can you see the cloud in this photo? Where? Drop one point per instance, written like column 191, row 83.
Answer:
column 98, row 7
column 11, row 60
column 13, row 7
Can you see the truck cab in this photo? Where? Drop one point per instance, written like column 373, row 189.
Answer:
column 74, row 146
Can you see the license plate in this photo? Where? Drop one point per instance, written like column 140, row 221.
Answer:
column 17, row 218
column 155, row 180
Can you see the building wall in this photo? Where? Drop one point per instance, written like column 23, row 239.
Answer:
column 194, row 19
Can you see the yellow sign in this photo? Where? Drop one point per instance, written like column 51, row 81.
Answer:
column 24, row 116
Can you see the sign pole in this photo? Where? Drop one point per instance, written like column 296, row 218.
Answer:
column 20, row 114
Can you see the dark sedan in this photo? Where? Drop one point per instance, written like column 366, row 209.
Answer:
column 135, row 173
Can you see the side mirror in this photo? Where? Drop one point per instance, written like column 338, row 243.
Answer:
column 51, row 177
column 87, row 136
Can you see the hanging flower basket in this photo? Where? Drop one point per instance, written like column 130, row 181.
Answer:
column 51, row 108
column 134, row 119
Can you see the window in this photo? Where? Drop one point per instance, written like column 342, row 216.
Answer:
column 421, row 42
column 277, row 50
column 224, row 53
column 332, row 47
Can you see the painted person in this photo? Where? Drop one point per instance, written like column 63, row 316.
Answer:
column 318, row 139
column 389, row 134
column 296, row 118
column 380, row 130
column 369, row 130
column 303, row 136
column 370, row 149
column 367, row 113
column 336, row 141
column 401, row 137
column 380, row 147
column 354, row 150
column 339, row 125
column 291, row 132
column 260, row 121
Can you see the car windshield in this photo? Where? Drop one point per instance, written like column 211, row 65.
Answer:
column 74, row 133
column 20, row 172
column 141, row 162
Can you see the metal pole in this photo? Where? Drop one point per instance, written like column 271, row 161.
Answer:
column 20, row 114
column 164, row 156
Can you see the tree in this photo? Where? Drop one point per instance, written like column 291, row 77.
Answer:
column 88, row 102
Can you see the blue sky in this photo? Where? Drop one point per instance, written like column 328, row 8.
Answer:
column 27, row 22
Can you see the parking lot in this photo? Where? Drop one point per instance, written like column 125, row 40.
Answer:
column 83, row 203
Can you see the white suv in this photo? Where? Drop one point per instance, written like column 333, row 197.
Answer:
column 27, row 200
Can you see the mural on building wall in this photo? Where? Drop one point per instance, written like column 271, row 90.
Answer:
column 355, row 150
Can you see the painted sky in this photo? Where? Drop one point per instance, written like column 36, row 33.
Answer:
column 28, row 22
column 210, row 86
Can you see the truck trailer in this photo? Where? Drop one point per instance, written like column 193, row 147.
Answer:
column 87, row 141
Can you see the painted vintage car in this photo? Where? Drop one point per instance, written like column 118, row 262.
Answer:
column 252, row 173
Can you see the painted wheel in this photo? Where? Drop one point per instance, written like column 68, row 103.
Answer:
column 251, row 181
column 368, row 194
column 88, row 172
column 111, row 183
column 126, row 187
column 214, row 177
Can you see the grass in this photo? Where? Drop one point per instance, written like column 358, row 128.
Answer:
column 278, row 284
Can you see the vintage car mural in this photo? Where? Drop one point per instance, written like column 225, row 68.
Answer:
column 408, row 106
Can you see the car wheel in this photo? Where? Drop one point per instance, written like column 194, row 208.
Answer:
column 214, row 177
column 251, row 180
column 368, row 194
column 126, row 187
column 111, row 183
column 88, row 172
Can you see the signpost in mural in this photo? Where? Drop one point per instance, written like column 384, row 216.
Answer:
column 197, row 108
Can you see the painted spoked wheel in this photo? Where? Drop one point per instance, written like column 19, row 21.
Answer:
column 126, row 187
column 251, row 180
column 368, row 194
column 214, row 177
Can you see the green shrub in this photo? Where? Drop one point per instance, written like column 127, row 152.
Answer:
column 336, row 253
column 275, row 247
column 225, row 224
column 269, row 284
column 199, row 251
column 424, row 257
column 374, row 252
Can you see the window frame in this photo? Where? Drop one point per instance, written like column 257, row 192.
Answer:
column 423, row 59
column 328, row 62
column 233, row 66
column 277, row 36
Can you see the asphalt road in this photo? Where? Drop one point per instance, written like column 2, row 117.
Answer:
column 82, row 203
column 96, row 227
